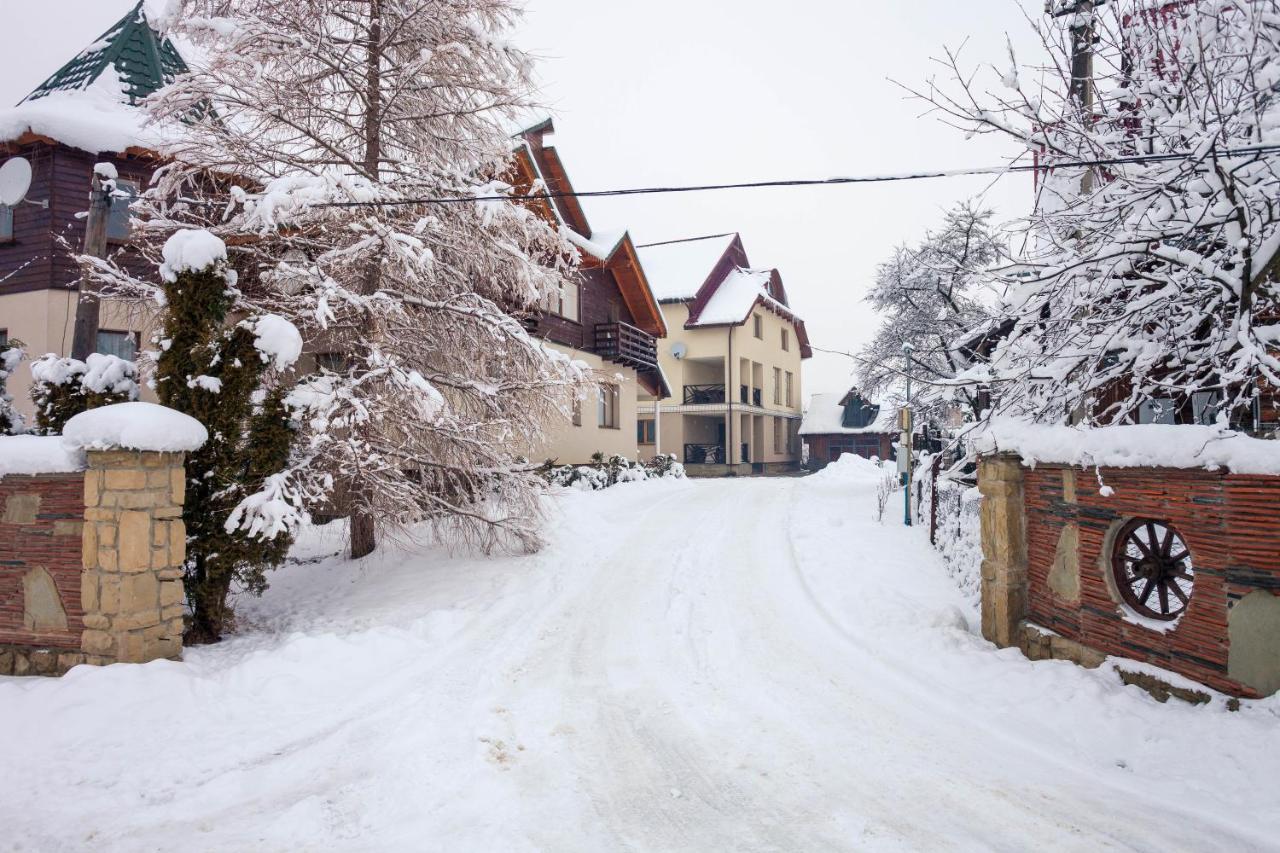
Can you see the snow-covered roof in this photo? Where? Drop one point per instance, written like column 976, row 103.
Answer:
column 91, row 102
column 676, row 270
column 825, row 416
column 1131, row 446
column 600, row 245
column 733, row 300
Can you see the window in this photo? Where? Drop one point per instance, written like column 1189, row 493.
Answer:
column 786, row 340
column 608, row 407
column 6, row 223
column 757, row 326
column 4, row 338
column 777, row 386
column 1157, row 410
column 121, row 344
column 577, row 412
column 777, row 436
column 334, row 362
column 646, row 432
column 118, row 225
column 1205, row 406
column 564, row 303
column 789, row 383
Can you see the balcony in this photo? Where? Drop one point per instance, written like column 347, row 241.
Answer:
column 703, row 394
column 704, row 454
column 625, row 344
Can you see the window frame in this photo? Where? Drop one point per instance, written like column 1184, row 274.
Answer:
column 136, row 187
column 786, row 339
column 790, row 390
column 646, row 432
column 135, row 338
column 777, row 386
column 757, row 326
column 607, row 401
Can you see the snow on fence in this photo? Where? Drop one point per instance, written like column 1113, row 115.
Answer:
column 92, row 540
column 952, row 523
column 1157, row 545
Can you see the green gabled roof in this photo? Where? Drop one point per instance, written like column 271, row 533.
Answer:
column 144, row 60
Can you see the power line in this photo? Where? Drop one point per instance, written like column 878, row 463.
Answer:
column 809, row 182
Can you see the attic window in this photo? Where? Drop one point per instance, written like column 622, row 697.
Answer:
column 786, row 341
column 757, row 326
column 119, row 225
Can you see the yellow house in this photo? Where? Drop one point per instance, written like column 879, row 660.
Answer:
column 732, row 360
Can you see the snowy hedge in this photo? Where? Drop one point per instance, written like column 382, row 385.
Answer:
column 64, row 387
column 604, row 472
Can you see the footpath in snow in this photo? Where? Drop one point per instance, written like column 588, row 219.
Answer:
column 741, row 665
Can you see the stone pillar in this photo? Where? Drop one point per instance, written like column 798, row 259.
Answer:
column 133, row 546
column 1004, row 548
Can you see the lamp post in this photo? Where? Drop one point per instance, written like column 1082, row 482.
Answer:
column 907, row 429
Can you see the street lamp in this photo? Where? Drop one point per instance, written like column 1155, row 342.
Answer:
column 907, row 429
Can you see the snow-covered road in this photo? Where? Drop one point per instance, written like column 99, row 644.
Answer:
column 719, row 665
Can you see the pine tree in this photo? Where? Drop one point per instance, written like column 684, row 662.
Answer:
column 214, row 370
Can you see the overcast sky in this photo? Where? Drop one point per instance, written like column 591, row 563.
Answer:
column 696, row 91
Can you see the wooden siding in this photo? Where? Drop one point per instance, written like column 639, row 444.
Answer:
column 864, row 444
column 33, row 260
column 599, row 301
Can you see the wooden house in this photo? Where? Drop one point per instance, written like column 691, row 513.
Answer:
column 836, row 424
column 86, row 113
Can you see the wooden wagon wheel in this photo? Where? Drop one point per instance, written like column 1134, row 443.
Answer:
column 1151, row 564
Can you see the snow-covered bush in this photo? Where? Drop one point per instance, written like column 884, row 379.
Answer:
column 958, row 535
column 604, row 472
column 10, row 357
column 62, row 388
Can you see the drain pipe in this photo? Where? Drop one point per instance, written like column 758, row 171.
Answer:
column 731, row 449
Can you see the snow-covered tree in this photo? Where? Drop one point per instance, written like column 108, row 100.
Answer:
column 305, row 135
column 10, row 357
column 225, row 375
column 1153, row 274
column 929, row 297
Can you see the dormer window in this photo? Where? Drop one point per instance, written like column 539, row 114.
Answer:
column 859, row 414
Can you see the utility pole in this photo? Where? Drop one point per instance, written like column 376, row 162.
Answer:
column 102, row 187
column 908, row 427
column 1082, row 41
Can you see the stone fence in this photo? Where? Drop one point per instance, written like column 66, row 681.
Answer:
column 91, row 563
column 1074, row 561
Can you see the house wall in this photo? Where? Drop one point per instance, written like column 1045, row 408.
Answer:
column 38, row 276
column 573, row 445
column 752, row 363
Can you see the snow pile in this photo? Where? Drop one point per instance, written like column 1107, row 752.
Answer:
column 851, row 468
column 1131, row 446
column 734, row 298
column 601, row 245
column 676, row 271
column 134, row 426
column 277, row 339
column 191, row 250
column 37, row 454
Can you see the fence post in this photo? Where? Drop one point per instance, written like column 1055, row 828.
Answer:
column 1004, row 548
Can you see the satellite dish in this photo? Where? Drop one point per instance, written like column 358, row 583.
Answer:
column 678, row 349
column 15, row 180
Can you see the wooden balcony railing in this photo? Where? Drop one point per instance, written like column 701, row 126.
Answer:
column 704, row 454
column 700, row 394
column 625, row 344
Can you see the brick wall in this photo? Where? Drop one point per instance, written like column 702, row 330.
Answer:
column 40, row 529
column 1230, row 522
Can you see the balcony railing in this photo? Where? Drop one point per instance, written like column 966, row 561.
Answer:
column 704, row 454
column 627, row 345
column 700, row 394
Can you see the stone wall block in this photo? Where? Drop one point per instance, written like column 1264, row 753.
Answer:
column 1004, row 549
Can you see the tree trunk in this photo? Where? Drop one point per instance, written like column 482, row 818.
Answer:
column 362, row 536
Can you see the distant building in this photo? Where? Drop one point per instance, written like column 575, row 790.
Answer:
column 836, row 424
column 732, row 358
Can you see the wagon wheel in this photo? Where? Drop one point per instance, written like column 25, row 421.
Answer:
column 1152, row 567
